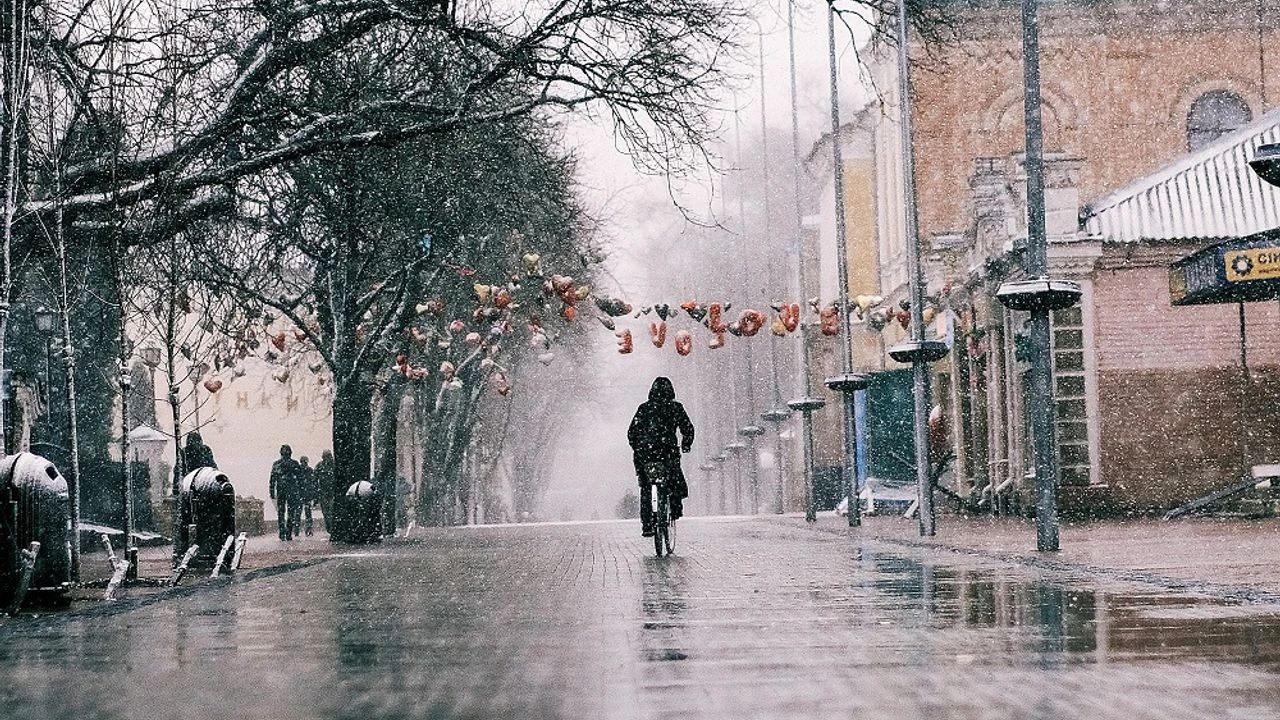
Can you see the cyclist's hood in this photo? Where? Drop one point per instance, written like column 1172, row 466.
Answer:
column 662, row 389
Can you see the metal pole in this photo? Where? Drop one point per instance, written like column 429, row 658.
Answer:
column 1041, row 391
column 782, row 477
column 806, row 398
column 764, row 171
column 1245, row 382
column 723, row 501
column 842, row 266
column 919, row 368
column 810, row 502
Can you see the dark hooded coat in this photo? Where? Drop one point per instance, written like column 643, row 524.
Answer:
column 652, row 434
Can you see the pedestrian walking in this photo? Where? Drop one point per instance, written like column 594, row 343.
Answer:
column 308, row 493
column 196, row 454
column 322, row 477
column 652, row 436
column 284, row 489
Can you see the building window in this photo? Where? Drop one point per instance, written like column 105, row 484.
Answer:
column 1214, row 114
column 1069, row 390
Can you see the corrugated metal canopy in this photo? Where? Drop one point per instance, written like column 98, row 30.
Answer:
column 1209, row 193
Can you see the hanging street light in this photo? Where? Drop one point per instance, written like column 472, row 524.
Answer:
column 776, row 417
column 735, row 448
column 751, row 432
column 719, row 460
column 707, row 468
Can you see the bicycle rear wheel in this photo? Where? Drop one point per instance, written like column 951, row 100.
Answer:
column 669, row 537
column 657, row 518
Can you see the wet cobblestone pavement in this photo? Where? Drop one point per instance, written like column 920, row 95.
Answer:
column 763, row 618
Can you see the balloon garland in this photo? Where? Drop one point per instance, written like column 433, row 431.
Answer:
column 525, row 297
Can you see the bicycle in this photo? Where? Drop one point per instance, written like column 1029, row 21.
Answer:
column 664, row 527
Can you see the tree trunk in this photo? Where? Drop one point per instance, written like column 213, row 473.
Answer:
column 384, row 445
column 352, row 422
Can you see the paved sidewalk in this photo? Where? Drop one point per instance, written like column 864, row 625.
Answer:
column 1230, row 558
column 752, row 618
column 1223, row 556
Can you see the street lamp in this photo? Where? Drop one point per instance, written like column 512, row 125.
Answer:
column 151, row 354
column 1266, row 163
column 719, row 460
column 806, row 403
column 917, row 351
column 44, row 323
column 707, row 468
column 1038, row 294
column 776, row 417
column 736, row 447
column 197, row 371
column 751, row 432
column 848, row 384
column 807, row 406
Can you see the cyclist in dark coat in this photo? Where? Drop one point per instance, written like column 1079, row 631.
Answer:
column 652, row 436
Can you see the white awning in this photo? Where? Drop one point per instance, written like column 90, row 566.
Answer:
column 1211, row 193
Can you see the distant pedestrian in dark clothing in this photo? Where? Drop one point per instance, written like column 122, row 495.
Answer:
column 196, row 454
column 285, row 488
column 322, row 478
column 309, row 493
column 652, row 436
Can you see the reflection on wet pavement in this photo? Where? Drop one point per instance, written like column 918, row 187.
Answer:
column 751, row 620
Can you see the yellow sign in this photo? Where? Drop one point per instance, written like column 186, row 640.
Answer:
column 1252, row 264
column 1177, row 284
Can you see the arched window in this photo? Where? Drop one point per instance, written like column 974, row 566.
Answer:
column 1213, row 115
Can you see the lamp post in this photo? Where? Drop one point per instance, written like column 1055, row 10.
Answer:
column 45, row 318
column 736, row 447
column 151, row 354
column 917, row 351
column 807, row 406
column 776, row 417
column 751, row 432
column 718, row 460
column 1039, row 295
column 707, row 468
column 44, row 323
column 126, row 473
column 197, row 371
column 848, row 382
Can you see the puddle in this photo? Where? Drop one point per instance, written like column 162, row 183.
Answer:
column 1081, row 623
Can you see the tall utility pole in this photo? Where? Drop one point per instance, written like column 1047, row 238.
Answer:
column 848, row 383
column 1039, row 295
column 917, row 351
column 806, row 404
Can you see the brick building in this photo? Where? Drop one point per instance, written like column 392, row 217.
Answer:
column 1150, row 109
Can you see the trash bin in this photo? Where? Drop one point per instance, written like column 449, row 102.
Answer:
column 362, row 512
column 36, row 507
column 206, row 516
